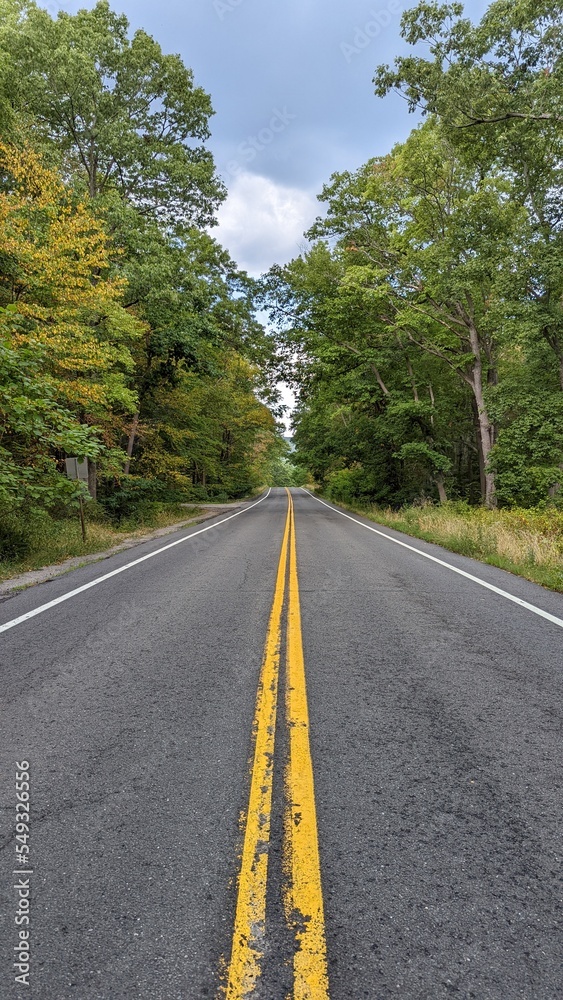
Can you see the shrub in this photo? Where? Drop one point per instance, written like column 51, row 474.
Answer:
column 347, row 486
column 138, row 500
column 15, row 540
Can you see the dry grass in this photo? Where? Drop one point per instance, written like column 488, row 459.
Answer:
column 526, row 542
column 60, row 540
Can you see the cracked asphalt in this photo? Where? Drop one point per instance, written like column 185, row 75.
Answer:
column 435, row 712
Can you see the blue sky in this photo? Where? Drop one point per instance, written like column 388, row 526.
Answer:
column 290, row 82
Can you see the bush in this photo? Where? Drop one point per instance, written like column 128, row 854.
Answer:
column 347, row 486
column 15, row 541
column 20, row 538
column 139, row 500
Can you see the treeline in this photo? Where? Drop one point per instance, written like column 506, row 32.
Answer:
column 425, row 321
column 127, row 335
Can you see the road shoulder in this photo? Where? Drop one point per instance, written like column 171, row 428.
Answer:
column 8, row 588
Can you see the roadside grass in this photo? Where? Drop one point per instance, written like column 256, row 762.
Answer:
column 528, row 543
column 53, row 541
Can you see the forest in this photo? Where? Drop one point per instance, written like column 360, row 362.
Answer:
column 421, row 328
column 128, row 337
column 425, row 319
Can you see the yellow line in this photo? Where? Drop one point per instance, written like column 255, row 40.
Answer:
column 304, row 901
column 250, row 916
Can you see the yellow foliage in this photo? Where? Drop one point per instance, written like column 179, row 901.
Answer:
column 55, row 274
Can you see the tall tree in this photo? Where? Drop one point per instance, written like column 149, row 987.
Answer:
column 373, row 411
column 126, row 117
column 131, row 127
column 428, row 242
column 59, row 293
column 497, row 90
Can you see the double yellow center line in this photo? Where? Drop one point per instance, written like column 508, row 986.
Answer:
column 303, row 901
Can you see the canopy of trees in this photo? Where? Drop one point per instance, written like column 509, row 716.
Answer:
column 422, row 328
column 127, row 335
column 425, row 321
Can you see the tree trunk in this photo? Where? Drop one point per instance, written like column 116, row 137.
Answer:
column 486, row 433
column 379, row 380
column 479, row 448
column 412, row 379
column 432, row 402
column 485, row 428
column 92, row 169
column 131, row 443
column 439, row 480
column 92, row 473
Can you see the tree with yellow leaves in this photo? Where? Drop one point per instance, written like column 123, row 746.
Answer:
column 57, row 291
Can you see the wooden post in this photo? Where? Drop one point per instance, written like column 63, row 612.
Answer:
column 82, row 521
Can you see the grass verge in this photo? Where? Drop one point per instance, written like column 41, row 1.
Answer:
column 528, row 543
column 55, row 541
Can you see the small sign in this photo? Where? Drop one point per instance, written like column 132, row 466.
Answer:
column 76, row 469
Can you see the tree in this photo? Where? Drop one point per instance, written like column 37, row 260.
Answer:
column 375, row 414
column 126, row 117
column 141, row 317
column 131, row 126
column 424, row 256
column 208, row 432
column 497, row 90
column 507, row 69
column 59, row 294
column 34, row 430
column 10, row 14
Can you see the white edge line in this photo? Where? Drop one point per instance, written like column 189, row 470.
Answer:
column 454, row 569
column 122, row 569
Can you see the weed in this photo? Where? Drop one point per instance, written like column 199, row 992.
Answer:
column 528, row 543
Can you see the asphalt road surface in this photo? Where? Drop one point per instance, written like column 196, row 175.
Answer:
column 177, row 847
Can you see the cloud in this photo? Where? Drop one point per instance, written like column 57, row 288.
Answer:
column 263, row 221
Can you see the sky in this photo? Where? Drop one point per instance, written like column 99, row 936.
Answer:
column 291, row 86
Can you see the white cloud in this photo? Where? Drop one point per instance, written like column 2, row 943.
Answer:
column 262, row 222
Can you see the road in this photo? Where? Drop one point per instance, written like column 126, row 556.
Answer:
column 280, row 757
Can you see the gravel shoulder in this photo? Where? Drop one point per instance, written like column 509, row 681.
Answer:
column 29, row 579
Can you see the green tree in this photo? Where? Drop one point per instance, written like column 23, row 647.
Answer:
column 423, row 263
column 506, row 69
column 497, row 90
column 369, row 400
column 131, row 127
column 125, row 116
column 208, row 431
column 35, row 430
column 149, row 329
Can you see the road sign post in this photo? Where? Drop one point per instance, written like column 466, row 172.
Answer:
column 78, row 470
